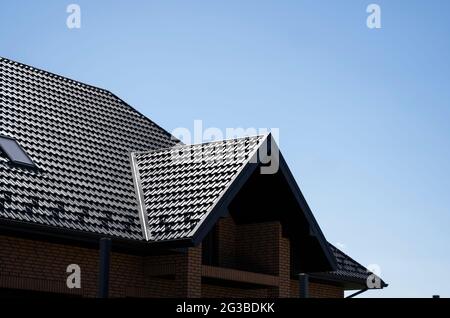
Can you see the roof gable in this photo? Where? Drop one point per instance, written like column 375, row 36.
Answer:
column 179, row 187
column 182, row 191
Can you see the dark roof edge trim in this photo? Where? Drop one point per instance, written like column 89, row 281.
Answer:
column 330, row 277
column 306, row 210
column 77, row 237
column 343, row 281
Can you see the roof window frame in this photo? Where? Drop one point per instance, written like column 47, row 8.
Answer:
column 13, row 161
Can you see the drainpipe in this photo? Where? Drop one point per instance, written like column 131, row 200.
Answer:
column 357, row 293
column 303, row 285
column 103, row 277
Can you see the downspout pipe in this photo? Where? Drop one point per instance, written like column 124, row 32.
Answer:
column 303, row 285
column 105, row 259
column 358, row 293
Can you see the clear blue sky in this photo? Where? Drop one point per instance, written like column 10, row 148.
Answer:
column 363, row 114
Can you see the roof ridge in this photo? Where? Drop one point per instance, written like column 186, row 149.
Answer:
column 95, row 88
column 180, row 145
column 57, row 75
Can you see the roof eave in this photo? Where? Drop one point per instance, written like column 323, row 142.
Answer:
column 349, row 283
column 60, row 235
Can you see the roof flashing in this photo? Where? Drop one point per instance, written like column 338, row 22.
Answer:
column 143, row 217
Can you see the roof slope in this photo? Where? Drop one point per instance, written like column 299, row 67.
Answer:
column 179, row 186
column 348, row 270
column 80, row 138
column 183, row 190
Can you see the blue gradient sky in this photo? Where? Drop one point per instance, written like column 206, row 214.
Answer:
column 363, row 114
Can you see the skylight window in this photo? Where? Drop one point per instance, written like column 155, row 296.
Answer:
column 11, row 148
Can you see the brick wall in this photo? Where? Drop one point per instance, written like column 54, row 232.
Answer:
column 257, row 247
column 319, row 290
column 215, row 291
column 261, row 248
column 226, row 242
column 284, row 267
column 41, row 266
column 156, row 286
column 189, row 274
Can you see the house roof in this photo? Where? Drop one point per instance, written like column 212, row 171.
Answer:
column 348, row 271
column 80, row 138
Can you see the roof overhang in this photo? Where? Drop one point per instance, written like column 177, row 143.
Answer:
column 347, row 282
column 57, row 235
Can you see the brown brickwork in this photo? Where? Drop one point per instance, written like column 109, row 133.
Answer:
column 215, row 291
column 226, row 238
column 284, row 267
column 41, row 266
column 319, row 290
column 258, row 247
column 256, row 252
column 155, row 266
column 189, row 274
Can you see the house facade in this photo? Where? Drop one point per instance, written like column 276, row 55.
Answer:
column 90, row 186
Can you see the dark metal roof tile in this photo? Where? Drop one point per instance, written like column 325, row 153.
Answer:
column 183, row 182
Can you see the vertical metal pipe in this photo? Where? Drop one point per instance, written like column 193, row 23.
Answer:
column 103, row 277
column 303, row 286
